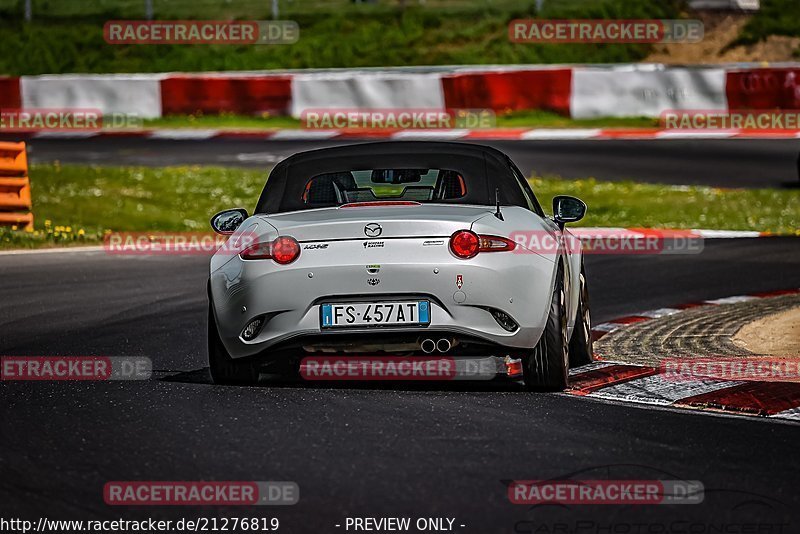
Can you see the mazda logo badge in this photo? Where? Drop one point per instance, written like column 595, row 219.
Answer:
column 373, row 230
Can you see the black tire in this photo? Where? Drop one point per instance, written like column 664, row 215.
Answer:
column 547, row 366
column 223, row 369
column 581, row 346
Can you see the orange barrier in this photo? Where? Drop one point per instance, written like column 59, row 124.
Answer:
column 15, row 186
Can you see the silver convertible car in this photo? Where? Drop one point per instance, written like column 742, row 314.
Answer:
column 399, row 250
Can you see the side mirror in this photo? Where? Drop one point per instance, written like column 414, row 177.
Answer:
column 226, row 222
column 567, row 209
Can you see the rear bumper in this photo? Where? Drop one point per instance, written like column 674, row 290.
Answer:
column 461, row 294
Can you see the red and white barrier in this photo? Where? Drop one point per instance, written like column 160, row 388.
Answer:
column 9, row 93
column 133, row 94
column 359, row 90
column 454, row 134
column 763, row 88
column 515, row 90
column 644, row 90
column 577, row 91
column 245, row 95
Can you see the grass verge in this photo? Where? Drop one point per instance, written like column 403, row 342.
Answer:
column 67, row 36
column 633, row 204
column 776, row 17
column 77, row 205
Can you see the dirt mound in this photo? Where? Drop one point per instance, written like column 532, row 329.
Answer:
column 774, row 335
column 721, row 29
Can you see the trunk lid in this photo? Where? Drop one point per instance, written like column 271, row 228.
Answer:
column 376, row 222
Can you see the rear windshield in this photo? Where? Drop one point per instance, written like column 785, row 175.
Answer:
column 418, row 185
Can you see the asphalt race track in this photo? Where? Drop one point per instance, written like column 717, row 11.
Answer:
column 384, row 450
column 407, row 450
column 720, row 163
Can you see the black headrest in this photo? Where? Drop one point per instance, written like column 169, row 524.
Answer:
column 451, row 185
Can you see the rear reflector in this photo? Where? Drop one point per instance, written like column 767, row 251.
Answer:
column 513, row 366
column 504, row 320
column 252, row 329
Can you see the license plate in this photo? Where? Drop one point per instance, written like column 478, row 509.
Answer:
column 375, row 314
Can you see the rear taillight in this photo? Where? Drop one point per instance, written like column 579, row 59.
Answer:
column 283, row 250
column 466, row 244
column 493, row 243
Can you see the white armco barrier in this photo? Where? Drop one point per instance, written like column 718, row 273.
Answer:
column 358, row 90
column 134, row 94
column 645, row 90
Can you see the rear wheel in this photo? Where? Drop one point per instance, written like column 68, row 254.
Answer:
column 546, row 367
column 225, row 370
column 581, row 349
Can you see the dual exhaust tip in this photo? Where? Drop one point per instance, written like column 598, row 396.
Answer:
column 428, row 345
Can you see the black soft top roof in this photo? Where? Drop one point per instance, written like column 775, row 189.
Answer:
column 484, row 169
